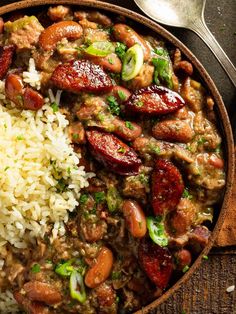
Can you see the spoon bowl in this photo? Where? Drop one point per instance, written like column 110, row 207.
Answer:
column 187, row 14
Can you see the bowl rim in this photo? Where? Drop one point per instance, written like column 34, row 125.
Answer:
column 225, row 122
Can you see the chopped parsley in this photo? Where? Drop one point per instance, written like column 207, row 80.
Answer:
column 99, row 197
column 205, row 257
column 75, row 136
column 6, row 168
column 120, row 50
column 35, row 268
column 121, row 150
column 201, row 141
column 116, row 275
column 218, row 148
column 54, row 107
column 121, row 95
column 20, row 137
column 68, row 170
column 83, row 198
column 110, row 60
column 186, row 194
column 139, row 103
column 129, row 125
column 61, row 185
column 114, row 107
column 185, row 269
column 155, row 149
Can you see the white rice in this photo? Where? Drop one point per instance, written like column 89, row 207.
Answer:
column 8, row 303
column 32, row 76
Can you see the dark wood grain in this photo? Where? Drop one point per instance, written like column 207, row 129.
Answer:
column 206, row 292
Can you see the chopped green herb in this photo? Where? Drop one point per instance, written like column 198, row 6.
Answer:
column 201, row 141
column 139, row 103
column 101, row 117
column 218, row 148
column 83, row 198
column 19, row 98
column 117, row 299
column 155, row 148
column 75, row 136
column 120, row 50
column 114, row 107
column 114, row 199
column 121, row 95
column 186, row 194
column 6, row 168
column 121, row 150
column 48, row 261
column 205, row 257
column 5, row 126
column 61, row 185
column 143, row 178
column 68, row 170
column 35, row 268
column 129, row 125
column 110, row 60
column 116, row 275
column 54, row 107
column 99, row 197
column 163, row 69
column 185, row 269
column 20, row 137
column 183, row 312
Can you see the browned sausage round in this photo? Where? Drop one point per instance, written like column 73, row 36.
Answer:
column 129, row 37
column 135, row 218
column 55, row 32
column 127, row 130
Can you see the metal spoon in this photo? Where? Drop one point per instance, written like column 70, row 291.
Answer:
column 188, row 14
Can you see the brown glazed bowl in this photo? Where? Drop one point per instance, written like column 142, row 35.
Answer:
column 224, row 123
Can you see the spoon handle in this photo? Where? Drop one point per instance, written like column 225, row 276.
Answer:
column 200, row 28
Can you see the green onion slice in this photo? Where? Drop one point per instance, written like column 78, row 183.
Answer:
column 77, row 289
column 65, row 269
column 100, row 48
column 156, row 230
column 132, row 63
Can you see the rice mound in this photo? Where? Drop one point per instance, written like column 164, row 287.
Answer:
column 39, row 177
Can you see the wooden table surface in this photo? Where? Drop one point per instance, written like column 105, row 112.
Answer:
column 205, row 293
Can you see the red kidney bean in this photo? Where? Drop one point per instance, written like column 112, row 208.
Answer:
column 30, row 307
column 100, row 270
column 110, row 63
column 135, row 218
column 56, row 32
column 173, row 131
column 14, row 89
column 43, row 292
column 129, row 37
column 127, row 130
column 32, row 99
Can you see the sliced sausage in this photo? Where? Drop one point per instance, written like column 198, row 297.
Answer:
column 129, row 37
column 113, row 153
column 32, row 99
column 6, row 55
column 154, row 100
column 156, row 262
column 81, row 75
column 167, row 187
column 173, row 131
